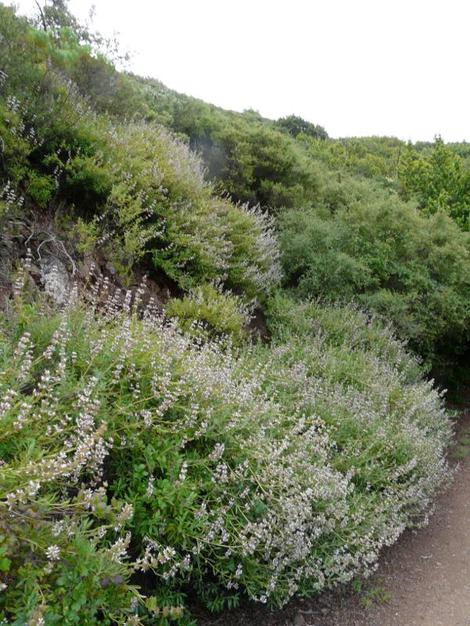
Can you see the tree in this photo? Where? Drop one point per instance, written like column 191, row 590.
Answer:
column 439, row 179
column 56, row 19
column 295, row 125
column 55, row 15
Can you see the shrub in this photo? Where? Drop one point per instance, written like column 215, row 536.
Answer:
column 295, row 125
column 41, row 189
column 264, row 472
column 384, row 254
column 370, row 157
column 207, row 309
column 163, row 206
column 439, row 179
column 252, row 160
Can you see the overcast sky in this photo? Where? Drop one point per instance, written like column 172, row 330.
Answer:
column 357, row 67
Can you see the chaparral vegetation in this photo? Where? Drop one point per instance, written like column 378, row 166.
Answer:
column 218, row 337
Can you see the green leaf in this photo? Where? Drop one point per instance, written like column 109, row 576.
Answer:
column 4, row 564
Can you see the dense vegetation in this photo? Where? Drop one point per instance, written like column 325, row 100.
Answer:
column 127, row 447
column 151, row 444
column 131, row 186
column 412, row 268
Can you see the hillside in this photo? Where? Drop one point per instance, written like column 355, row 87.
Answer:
column 216, row 341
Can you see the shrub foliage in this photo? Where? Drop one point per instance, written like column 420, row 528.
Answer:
column 130, row 450
column 145, row 457
column 412, row 269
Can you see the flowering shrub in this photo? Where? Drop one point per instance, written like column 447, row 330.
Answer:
column 138, row 462
column 161, row 205
column 132, row 453
column 207, row 309
column 139, row 192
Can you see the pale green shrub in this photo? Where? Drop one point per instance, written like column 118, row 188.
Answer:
column 208, row 310
column 164, row 207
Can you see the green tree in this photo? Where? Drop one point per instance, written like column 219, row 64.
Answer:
column 439, row 179
column 295, row 125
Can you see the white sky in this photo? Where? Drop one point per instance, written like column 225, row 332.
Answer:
column 357, row 67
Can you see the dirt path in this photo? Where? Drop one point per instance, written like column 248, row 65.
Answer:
column 426, row 576
column 424, row 580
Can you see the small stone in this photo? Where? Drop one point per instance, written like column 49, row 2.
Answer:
column 299, row 620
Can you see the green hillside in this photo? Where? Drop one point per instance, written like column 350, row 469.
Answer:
column 216, row 341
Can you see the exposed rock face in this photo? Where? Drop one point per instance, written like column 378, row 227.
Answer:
column 55, row 279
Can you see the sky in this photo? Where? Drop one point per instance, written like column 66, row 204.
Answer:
column 356, row 67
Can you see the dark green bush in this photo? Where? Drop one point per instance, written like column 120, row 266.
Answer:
column 295, row 126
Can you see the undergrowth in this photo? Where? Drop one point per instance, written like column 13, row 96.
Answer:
column 136, row 456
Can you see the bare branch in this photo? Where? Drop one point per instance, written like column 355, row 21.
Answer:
column 41, row 13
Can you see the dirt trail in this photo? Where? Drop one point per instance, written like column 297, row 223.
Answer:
column 427, row 574
column 423, row 580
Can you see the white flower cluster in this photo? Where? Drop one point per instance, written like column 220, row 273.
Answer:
column 171, row 202
column 295, row 469
column 18, row 126
column 11, row 197
column 53, row 553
